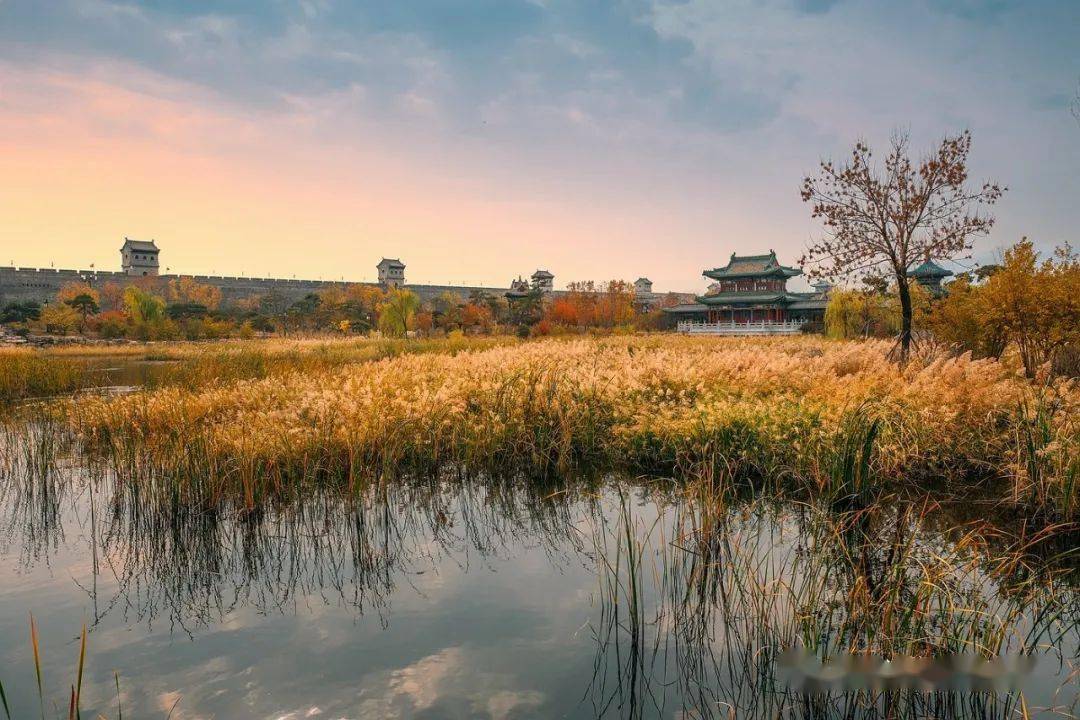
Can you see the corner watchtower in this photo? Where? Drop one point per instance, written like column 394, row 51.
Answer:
column 139, row 257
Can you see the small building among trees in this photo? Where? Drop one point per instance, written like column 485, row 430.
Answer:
column 930, row 275
column 519, row 288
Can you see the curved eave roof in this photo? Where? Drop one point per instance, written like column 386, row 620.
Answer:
column 808, row 305
column 741, row 298
column 724, row 273
column 685, row 308
column 929, row 269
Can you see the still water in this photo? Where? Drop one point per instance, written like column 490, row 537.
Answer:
column 449, row 598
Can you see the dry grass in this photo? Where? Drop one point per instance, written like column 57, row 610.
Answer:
column 778, row 409
column 34, row 373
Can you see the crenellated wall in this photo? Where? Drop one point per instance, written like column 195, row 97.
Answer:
column 41, row 284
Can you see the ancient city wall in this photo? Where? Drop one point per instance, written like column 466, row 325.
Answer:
column 41, row 284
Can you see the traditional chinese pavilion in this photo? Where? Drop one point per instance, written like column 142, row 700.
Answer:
column 751, row 290
column 929, row 274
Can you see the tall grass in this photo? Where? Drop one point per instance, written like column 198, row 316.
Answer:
column 1047, row 458
column 36, row 373
column 803, row 412
column 26, row 373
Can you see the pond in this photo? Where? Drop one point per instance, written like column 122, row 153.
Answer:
column 457, row 597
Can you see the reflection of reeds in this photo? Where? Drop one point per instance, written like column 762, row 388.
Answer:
column 695, row 598
column 739, row 590
column 620, row 556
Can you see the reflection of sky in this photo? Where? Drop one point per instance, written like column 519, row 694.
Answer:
column 482, row 139
column 465, row 637
column 507, row 633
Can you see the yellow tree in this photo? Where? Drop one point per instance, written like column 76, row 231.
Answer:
column 615, row 304
column 112, row 296
column 70, row 291
column 397, row 311
column 960, row 319
column 143, row 306
column 59, row 318
column 1035, row 305
column 854, row 314
column 189, row 290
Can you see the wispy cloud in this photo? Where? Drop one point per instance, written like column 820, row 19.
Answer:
column 590, row 131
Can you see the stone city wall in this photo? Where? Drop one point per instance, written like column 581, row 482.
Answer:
column 41, row 284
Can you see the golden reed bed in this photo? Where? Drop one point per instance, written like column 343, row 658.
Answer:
column 755, row 408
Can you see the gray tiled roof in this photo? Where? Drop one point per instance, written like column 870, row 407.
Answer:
column 729, row 298
column 752, row 266
column 809, row 304
column 139, row 245
column 686, row 308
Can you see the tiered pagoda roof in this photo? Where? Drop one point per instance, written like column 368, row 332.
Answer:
column 752, row 266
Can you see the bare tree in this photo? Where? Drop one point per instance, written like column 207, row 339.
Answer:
column 887, row 219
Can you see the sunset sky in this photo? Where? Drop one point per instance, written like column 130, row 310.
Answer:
column 481, row 140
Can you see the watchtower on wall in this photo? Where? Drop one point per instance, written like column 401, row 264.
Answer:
column 139, row 257
column 543, row 281
column 391, row 272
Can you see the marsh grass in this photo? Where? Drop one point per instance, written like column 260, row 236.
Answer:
column 27, row 373
column 74, row 711
column 236, row 446
column 825, row 418
column 1047, row 459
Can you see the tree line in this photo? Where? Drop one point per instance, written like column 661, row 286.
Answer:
column 183, row 308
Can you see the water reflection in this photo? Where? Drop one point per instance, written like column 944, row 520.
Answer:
column 476, row 597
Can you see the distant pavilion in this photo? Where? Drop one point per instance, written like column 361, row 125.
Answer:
column 930, row 275
column 750, row 294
